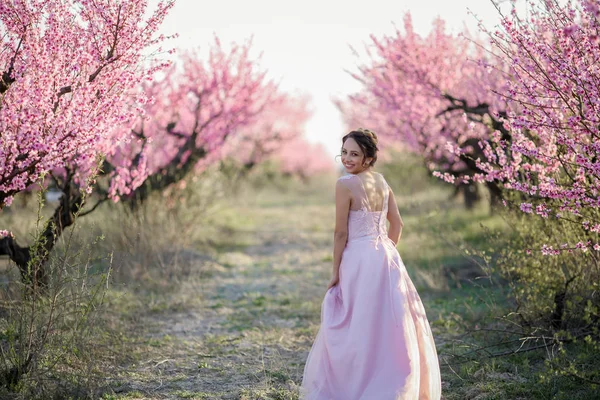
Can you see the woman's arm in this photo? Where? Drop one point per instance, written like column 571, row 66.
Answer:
column 342, row 207
column 395, row 219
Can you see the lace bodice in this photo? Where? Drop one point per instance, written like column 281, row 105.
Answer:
column 369, row 207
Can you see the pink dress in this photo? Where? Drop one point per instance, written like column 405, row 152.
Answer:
column 374, row 341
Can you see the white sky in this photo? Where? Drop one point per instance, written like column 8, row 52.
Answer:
column 305, row 44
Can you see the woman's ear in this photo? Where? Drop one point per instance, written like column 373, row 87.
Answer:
column 367, row 161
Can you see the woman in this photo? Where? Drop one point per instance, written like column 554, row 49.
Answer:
column 374, row 342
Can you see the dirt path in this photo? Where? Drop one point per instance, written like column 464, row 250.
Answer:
column 247, row 326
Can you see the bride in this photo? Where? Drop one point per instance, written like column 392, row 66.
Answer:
column 374, row 341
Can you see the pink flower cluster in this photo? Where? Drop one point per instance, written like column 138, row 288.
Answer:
column 521, row 112
column 554, row 151
column 415, row 90
column 584, row 247
column 203, row 111
column 191, row 113
column 304, row 159
column 67, row 70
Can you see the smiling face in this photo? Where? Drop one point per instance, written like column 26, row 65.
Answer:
column 353, row 157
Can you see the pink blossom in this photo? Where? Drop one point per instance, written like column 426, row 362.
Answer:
column 549, row 251
column 201, row 112
column 304, row 159
column 416, row 90
column 519, row 113
column 526, row 207
column 69, row 68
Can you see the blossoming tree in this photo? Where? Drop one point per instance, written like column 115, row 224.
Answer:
column 431, row 91
column 282, row 121
column 304, row 159
column 553, row 157
column 66, row 67
column 197, row 108
column 66, row 70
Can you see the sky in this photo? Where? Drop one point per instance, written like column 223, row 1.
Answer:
column 306, row 45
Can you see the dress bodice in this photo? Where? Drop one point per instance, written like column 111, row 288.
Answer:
column 365, row 224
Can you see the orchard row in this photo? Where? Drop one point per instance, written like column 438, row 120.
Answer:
column 86, row 91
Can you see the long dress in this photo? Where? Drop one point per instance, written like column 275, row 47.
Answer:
column 374, row 341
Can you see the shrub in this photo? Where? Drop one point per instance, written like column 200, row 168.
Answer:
column 46, row 335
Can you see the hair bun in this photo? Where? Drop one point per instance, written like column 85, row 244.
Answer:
column 370, row 134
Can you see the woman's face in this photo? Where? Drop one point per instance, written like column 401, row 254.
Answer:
column 353, row 157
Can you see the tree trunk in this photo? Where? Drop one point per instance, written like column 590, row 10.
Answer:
column 172, row 173
column 495, row 195
column 31, row 260
column 470, row 195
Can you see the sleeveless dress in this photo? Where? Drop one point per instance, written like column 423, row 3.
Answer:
column 374, row 341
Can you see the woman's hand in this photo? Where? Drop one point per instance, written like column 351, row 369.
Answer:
column 334, row 281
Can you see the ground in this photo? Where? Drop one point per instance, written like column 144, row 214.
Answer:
column 247, row 321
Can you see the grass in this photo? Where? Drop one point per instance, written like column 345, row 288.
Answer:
column 224, row 302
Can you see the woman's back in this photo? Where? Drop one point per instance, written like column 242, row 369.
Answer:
column 369, row 191
column 369, row 205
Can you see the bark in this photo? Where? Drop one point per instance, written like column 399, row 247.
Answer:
column 476, row 114
column 560, row 297
column 181, row 165
column 469, row 160
column 32, row 260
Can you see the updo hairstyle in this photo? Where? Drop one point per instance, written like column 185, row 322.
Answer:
column 366, row 140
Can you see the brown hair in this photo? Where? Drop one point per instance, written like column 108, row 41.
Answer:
column 366, row 140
